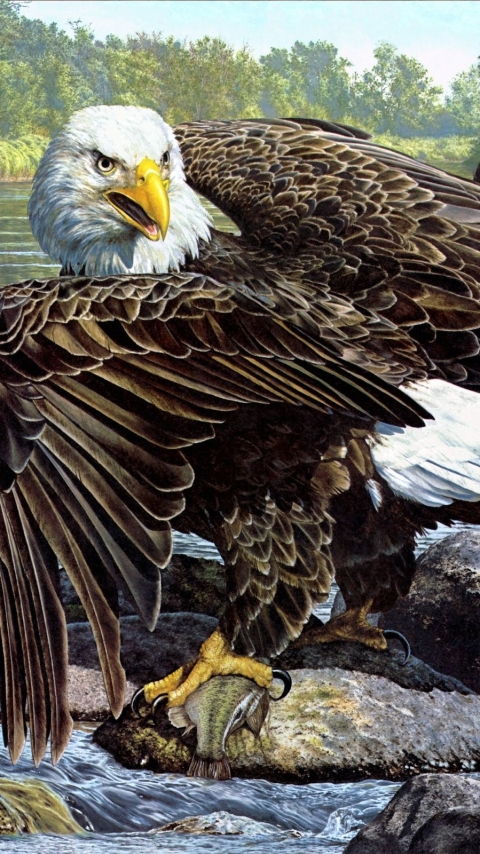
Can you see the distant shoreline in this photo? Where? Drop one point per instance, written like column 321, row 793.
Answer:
column 19, row 158
column 458, row 155
column 17, row 180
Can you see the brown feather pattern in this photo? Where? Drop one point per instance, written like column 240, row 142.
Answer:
column 233, row 399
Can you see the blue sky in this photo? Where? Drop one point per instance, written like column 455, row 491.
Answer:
column 443, row 34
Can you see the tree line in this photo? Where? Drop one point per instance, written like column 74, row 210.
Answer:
column 46, row 74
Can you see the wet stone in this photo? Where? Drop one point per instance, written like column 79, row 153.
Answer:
column 388, row 663
column 334, row 725
column 225, row 824
column 30, row 806
column 453, row 831
column 441, row 614
column 425, row 817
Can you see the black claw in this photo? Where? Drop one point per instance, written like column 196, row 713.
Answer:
column 152, row 707
column 134, row 703
column 285, row 678
column 157, row 703
column 391, row 633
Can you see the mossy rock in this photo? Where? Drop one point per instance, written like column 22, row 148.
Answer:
column 75, row 613
column 334, row 725
column 30, row 806
column 155, row 745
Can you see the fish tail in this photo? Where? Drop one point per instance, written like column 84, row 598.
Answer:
column 214, row 769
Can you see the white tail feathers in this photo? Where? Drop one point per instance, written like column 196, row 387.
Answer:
column 440, row 462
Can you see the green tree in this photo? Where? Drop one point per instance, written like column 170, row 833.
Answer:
column 9, row 26
column 397, row 95
column 204, row 79
column 131, row 71
column 308, row 80
column 464, row 102
column 47, row 73
column 87, row 61
column 16, row 83
column 54, row 94
column 224, row 83
column 39, row 82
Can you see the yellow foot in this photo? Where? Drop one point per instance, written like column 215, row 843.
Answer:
column 214, row 659
column 350, row 626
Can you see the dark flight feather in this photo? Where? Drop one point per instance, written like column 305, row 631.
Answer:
column 235, row 399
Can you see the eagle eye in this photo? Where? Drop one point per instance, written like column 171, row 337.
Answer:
column 165, row 158
column 105, row 165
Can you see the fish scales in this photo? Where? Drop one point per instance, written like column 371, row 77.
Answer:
column 217, row 708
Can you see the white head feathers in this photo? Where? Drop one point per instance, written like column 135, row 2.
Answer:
column 73, row 221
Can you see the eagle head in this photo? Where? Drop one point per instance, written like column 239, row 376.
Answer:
column 110, row 196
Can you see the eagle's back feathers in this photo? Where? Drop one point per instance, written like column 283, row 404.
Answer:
column 231, row 388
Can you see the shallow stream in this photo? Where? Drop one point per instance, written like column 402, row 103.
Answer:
column 121, row 808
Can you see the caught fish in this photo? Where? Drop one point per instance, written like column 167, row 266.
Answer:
column 217, row 708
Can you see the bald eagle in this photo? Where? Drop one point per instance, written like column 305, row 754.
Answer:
column 255, row 390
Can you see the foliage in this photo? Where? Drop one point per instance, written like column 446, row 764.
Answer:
column 397, row 95
column 19, row 158
column 457, row 154
column 198, row 80
column 47, row 73
column 309, row 80
column 464, row 102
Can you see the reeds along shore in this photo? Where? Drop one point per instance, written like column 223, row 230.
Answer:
column 460, row 155
column 19, row 158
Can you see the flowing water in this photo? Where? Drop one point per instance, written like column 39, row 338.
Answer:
column 121, row 809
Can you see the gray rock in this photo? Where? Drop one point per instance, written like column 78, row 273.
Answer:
column 455, row 831
column 66, row 589
column 176, row 639
column 145, row 656
column 192, row 584
column 225, row 824
column 334, row 725
column 441, row 614
column 408, row 813
column 86, row 694
column 389, row 663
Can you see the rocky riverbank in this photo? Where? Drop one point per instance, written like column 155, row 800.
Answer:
column 441, row 614
column 352, row 713
column 334, row 725
column 433, row 814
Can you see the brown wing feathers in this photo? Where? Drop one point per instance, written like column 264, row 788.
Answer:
column 338, row 217
column 92, row 441
column 345, row 282
column 278, row 567
column 344, row 222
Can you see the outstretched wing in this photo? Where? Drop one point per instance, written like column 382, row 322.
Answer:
column 105, row 385
column 342, row 222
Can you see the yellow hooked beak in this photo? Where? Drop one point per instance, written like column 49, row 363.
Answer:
column 145, row 205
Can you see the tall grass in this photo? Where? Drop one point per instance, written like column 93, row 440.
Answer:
column 457, row 154
column 19, row 158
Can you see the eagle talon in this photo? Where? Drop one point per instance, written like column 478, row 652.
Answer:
column 135, row 702
column 391, row 633
column 159, row 701
column 285, row 677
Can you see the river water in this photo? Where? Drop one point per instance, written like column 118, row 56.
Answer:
column 121, row 809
